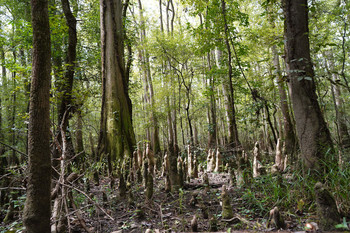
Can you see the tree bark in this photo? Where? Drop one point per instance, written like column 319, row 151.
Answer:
column 313, row 134
column 37, row 210
column 117, row 138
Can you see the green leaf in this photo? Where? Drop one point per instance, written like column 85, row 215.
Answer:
column 343, row 225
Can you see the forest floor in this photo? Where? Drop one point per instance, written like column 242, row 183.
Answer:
column 173, row 212
column 102, row 210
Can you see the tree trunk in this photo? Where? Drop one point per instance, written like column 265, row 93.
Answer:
column 65, row 82
column 3, row 159
column 57, row 66
column 67, row 85
column 233, row 140
column 233, row 132
column 117, row 138
column 37, row 210
column 171, row 116
column 149, row 88
column 288, row 133
column 13, row 159
column 212, row 109
column 79, row 135
column 172, row 153
column 313, row 134
column 339, row 106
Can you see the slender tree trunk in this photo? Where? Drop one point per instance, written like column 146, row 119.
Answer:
column 172, row 139
column 313, row 134
column 212, row 139
column 339, row 105
column 288, row 133
column 65, row 82
column 117, row 139
column 173, row 173
column 37, row 210
column 149, row 93
column 3, row 160
column 233, row 132
column 57, row 71
column 174, row 122
column 67, row 85
column 188, row 114
column 161, row 16
column 13, row 157
column 79, row 134
column 233, row 140
column 195, row 134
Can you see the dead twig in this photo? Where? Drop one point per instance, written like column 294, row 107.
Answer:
column 14, row 149
column 13, row 188
column 160, row 213
column 78, row 214
column 90, row 199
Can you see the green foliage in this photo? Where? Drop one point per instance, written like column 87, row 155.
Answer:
column 344, row 225
column 180, row 71
column 294, row 193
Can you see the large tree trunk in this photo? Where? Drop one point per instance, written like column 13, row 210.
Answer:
column 313, row 134
column 117, row 138
column 37, row 210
